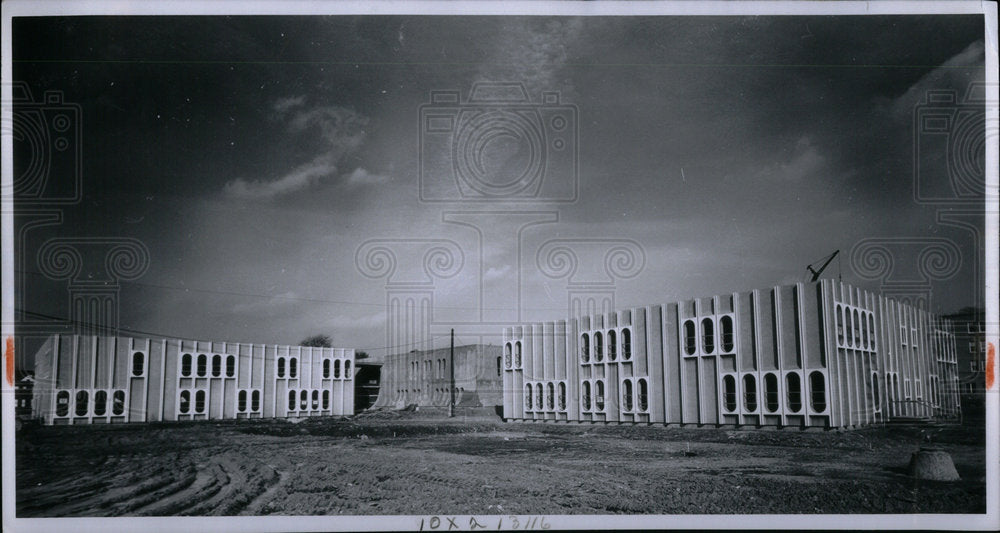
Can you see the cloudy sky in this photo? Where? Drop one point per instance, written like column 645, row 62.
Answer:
column 255, row 156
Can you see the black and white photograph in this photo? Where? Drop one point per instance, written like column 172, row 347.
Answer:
column 454, row 266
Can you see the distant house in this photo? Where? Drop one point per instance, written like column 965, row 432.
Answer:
column 22, row 395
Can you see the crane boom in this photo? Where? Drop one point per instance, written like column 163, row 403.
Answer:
column 816, row 273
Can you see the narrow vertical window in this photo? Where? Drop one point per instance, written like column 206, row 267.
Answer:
column 626, row 344
column 840, row 324
column 864, row 332
column 347, row 369
column 303, row 400
column 585, row 348
column 281, row 367
column 517, row 354
column 138, row 363
column 539, row 394
column 817, row 392
column 62, row 403
column 857, row 329
column 291, row 400
column 848, row 329
column 230, row 366
column 118, row 402
column 293, row 367
column 794, row 386
column 499, row 366
column 528, row 396
column 315, row 399
column 728, row 338
column 336, row 369
column 507, row 354
column 878, row 398
column 612, row 345
column 749, row 393
column 326, row 369
column 643, row 395
column 199, row 401
column 185, row 405
column 202, row 365
column 690, row 339
column 241, row 401
column 729, row 393
column 326, row 399
column 216, row 365
column 82, row 397
column 255, row 401
column 771, row 392
column 562, row 396
column 585, row 397
column 100, row 403
column 707, row 335
column 627, row 394
column 598, row 346
column 550, row 396
column 871, row 330
column 186, row 365
column 599, row 395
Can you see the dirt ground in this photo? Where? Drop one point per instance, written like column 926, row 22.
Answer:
column 401, row 464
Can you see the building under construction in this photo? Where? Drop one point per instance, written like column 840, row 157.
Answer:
column 428, row 378
column 820, row 354
column 87, row 379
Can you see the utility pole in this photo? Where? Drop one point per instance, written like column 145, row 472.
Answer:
column 451, row 404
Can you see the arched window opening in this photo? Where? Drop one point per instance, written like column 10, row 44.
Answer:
column 612, row 345
column 303, row 400
column 528, row 397
column 585, row 397
column 875, row 394
column 241, row 401
column 230, row 366
column 817, row 392
column 599, row 395
column 849, row 328
column 749, row 393
column 185, row 404
column 857, row 329
column 539, row 395
column 202, row 365
column 118, row 402
column 729, row 393
column 598, row 347
column 326, row 399
column 517, row 354
column 186, row 365
column 281, row 367
column 707, row 335
column 871, row 330
column 840, row 324
column 62, row 403
column 347, row 369
column 293, row 367
column 627, row 395
column 626, row 344
column 864, row 333
column 643, row 395
column 315, row 399
column 771, row 392
column 689, row 337
column 728, row 338
column 100, row 403
column 562, row 396
column 255, row 401
column 506, row 356
column 216, row 365
column 326, row 369
column 138, row 363
column 199, row 401
column 81, row 402
column 336, row 369
column 291, row 400
column 794, row 386
column 585, row 348
column 550, row 395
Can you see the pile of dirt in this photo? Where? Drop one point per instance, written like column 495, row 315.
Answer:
column 933, row 464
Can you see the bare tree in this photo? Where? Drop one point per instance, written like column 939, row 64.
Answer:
column 318, row 341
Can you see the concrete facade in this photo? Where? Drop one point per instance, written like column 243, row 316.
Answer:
column 89, row 379
column 808, row 355
column 423, row 378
